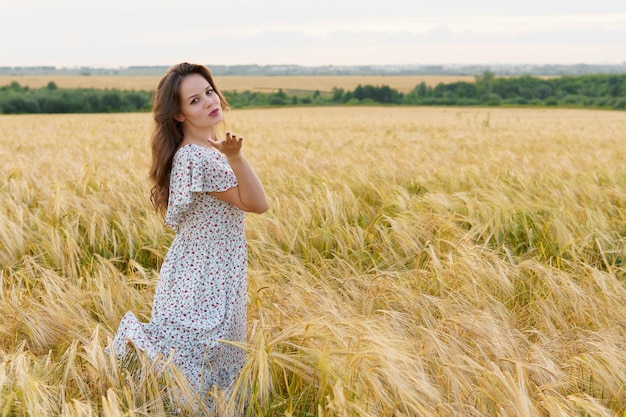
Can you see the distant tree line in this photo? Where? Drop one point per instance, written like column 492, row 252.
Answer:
column 599, row 90
column 16, row 99
column 592, row 91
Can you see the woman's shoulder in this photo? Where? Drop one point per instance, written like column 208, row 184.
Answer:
column 185, row 151
column 192, row 155
column 187, row 154
column 194, row 151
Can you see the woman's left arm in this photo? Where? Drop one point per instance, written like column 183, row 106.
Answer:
column 249, row 195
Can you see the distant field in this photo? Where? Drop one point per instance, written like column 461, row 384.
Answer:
column 403, row 84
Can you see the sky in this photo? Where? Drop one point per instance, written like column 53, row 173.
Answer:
column 121, row 33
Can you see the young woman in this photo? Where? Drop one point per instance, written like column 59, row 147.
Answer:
column 203, row 185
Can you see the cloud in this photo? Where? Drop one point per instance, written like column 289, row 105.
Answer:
column 325, row 32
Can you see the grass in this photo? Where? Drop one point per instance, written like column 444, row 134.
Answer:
column 415, row 261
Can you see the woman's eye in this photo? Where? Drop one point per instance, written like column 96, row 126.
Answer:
column 209, row 92
column 194, row 100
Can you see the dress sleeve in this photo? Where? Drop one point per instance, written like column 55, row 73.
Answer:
column 195, row 170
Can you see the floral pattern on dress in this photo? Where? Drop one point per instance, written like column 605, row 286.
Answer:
column 200, row 298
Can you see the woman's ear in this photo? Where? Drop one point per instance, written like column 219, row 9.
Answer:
column 179, row 118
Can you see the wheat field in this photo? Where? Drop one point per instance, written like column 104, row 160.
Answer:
column 414, row 262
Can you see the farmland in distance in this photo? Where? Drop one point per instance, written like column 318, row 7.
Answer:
column 264, row 84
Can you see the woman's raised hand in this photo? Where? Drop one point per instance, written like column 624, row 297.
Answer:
column 230, row 146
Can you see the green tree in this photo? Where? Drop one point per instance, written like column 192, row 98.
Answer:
column 422, row 90
column 278, row 98
column 112, row 101
column 337, row 94
column 484, row 82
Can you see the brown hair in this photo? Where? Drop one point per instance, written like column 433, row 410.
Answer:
column 168, row 132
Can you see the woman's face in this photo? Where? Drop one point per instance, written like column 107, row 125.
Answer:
column 200, row 105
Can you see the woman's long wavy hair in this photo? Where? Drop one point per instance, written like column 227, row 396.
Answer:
column 167, row 134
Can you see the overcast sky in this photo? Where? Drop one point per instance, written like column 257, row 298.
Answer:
column 114, row 33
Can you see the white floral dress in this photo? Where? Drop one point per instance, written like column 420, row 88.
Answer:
column 200, row 297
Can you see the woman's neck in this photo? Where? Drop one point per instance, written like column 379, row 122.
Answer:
column 197, row 137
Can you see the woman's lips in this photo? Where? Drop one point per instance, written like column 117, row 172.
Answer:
column 214, row 113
